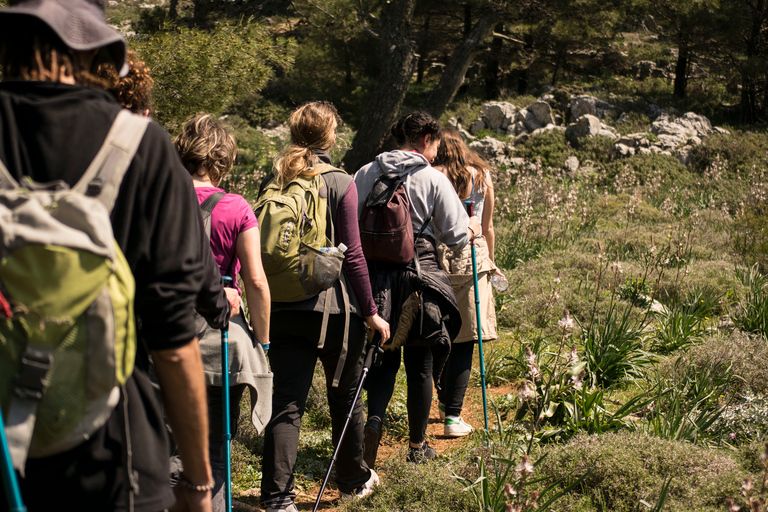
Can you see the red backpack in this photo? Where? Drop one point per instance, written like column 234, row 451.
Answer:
column 386, row 231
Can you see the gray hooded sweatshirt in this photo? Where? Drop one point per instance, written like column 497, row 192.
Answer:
column 429, row 191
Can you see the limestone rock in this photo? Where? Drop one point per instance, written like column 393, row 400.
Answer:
column 490, row 149
column 498, row 115
column 571, row 164
column 476, row 126
column 536, row 115
column 583, row 105
column 585, row 126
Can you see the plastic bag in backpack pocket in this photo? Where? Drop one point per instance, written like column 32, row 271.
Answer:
column 318, row 270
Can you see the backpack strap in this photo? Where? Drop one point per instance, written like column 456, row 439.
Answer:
column 211, row 201
column 103, row 177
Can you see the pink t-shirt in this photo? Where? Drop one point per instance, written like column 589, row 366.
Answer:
column 232, row 216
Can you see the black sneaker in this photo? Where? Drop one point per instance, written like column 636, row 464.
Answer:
column 372, row 438
column 421, row 454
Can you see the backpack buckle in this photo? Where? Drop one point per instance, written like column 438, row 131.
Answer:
column 29, row 383
column 94, row 187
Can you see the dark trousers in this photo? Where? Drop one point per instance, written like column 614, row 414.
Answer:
column 216, row 446
column 294, row 336
column 452, row 383
column 419, row 361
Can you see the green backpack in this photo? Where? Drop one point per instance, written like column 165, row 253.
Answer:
column 67, row 334
column 293, row 221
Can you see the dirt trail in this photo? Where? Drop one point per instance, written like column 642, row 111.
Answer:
column 472, row 414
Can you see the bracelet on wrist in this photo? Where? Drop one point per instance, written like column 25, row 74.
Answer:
column 195, row 487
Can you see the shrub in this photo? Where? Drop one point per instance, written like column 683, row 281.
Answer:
column 741, row 149
column 625, row 468
column 752, row 313
column 414, row 488
column 744, row 421
column 549, row 146
column 204, row 71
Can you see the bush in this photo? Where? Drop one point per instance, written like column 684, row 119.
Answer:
column 625, row 468
column 741, row 149
column 549, row 146
column 204, row 71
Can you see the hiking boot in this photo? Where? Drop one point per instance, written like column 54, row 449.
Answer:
column 289, row 508
column 371, row 440
column 441, row 410
column 362, row 491
column 421, row 454
column 455, row 426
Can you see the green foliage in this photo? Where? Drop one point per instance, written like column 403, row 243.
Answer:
column 750, row 240
column 681, row 325
column 613, row 348
column 550, row 147
column 626, row 467
column 752, row 314
column 742, row 150
column 744, row 421
column 205, row 71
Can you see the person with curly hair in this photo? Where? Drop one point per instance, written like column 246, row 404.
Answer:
column 134, row 90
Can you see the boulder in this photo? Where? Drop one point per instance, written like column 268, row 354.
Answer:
column 643, row 69
column 684, row 155
column 536, row 115
column 607, row 133
column 490, row 148
column 548, row 128
column 621, row 151
column 465, row 135
column 585, row 126
column 583, row 105
column 476, row 126
column 721, row 131
column 571, row 164
column 498, row 115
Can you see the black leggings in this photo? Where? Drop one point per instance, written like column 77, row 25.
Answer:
column 452, row 383
column 419, row 363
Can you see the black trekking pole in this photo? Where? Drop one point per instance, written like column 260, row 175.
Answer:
column 374, row 350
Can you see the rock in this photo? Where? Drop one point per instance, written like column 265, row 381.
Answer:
column 547, row 128
column 684, row 155
column 607, row 133
column 643, row 69
column 621, row 151
column 585, row 126
column 558, row 120
column 583, row 105
column 454, row 123
column 465, row 135
column 476, row 126
column 571, row 164
column 537, row 115
column 112, row 3
column 489, row 148
column 516, row 162
column 521, row 139
column 644, row 151
column 498, row 114
column 721, row 131
column 544, row 89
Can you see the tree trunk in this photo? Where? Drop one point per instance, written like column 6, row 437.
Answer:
column 173, row 10
column 423, row 51
column 492, row 90
column 748, row 104
column 398, row 63
column 681, row 70
column 462, row 57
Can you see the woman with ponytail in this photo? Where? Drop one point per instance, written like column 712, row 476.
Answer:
column 437, row 216
column 295, row 327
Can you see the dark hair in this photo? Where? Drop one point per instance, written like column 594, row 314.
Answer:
column 133, row 91
column 413, row 127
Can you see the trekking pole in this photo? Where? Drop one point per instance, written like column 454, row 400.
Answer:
column 470, row 207
column 227, row 435
column 11, row 485
column 370, row 358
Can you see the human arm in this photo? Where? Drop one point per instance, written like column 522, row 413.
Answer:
column 180, row 373
column 248, row 250
column 354, row 265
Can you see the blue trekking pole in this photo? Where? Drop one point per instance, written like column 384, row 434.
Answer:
column 11, row 485
column 470, row 207
column 227, row 435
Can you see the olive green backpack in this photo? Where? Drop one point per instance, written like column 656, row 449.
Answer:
column 67, row 334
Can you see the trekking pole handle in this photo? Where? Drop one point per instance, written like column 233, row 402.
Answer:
column 373, row 355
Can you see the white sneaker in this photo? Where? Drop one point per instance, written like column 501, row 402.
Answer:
column 455, row 426
column 289, row 508
column 362, row 491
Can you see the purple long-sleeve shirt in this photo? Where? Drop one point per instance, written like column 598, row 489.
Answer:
column 354, row 264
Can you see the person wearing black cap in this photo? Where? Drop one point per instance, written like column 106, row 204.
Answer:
column 51, row 127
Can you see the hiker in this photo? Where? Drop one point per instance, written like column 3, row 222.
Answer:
column 416, row 296
column 53, row 125
column 471, row 178
column 207, row 150
column 134, row 90
column 296, row 328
